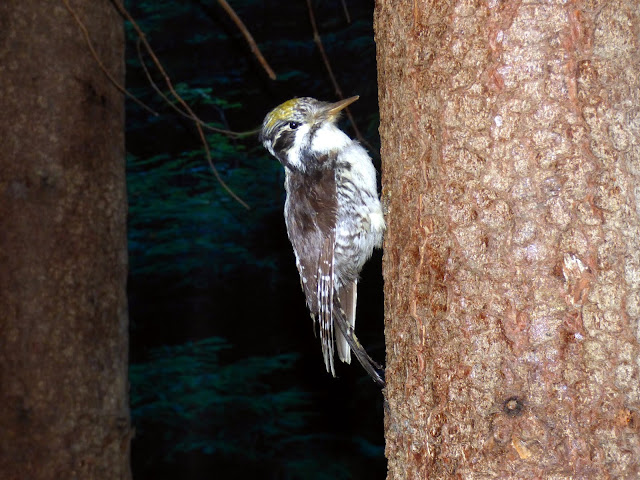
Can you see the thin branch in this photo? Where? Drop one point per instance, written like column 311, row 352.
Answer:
column 325, row 59
column 124, row 12
column 248, row 37
column 346, row 11
column 92, row 49
column 177, row 109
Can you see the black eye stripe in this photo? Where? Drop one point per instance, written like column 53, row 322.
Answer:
column 284, row 141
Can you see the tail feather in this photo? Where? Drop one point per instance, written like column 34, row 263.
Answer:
column 325, row 298
column 348, row 299
column 375, row 371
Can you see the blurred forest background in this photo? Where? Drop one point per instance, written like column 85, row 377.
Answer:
column 227, row 378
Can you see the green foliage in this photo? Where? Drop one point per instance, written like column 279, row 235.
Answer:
column 186, row 234
column 180, row 219
column 230, row 410
column 203, row 96
column 214, row 407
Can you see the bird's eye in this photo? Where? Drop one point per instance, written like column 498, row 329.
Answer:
column 294, row 125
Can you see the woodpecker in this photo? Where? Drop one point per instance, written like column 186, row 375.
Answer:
column 333, row 216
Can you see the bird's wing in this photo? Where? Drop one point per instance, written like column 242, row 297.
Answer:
column 347, row 296
column 310, row 213
column 325, row 301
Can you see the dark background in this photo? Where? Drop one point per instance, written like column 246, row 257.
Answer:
column 227, row 377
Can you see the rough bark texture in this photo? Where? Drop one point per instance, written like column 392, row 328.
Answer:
column 63, row 321
column 511, row 165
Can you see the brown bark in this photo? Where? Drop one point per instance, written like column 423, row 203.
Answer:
column 511, row 162
column 63, row 321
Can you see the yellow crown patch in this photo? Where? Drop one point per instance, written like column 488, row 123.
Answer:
column 281, row 112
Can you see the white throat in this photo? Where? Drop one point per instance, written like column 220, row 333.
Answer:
column 329, row 138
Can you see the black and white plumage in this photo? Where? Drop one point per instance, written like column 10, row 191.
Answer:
column 333, row 216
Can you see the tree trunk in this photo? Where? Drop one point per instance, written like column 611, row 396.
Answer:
column 63, row 321
column 511, row 163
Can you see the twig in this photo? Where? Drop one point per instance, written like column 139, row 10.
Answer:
column 318, row 40
column 123, row 11
column 92, row 49
column 248, row 37
column 346, row 11
column 168, row 101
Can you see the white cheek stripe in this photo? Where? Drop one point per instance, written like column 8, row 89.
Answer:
column 294, row 156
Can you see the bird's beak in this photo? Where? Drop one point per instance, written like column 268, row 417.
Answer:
column 334, row 109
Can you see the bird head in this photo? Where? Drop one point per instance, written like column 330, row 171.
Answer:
column 301, row 130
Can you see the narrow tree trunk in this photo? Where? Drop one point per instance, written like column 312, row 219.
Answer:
column 511, row 165
column 63, row 321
